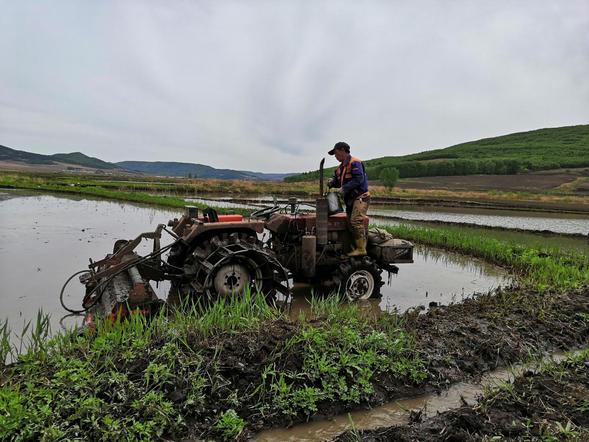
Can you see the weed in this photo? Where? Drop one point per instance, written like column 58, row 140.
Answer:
column 229, row 425
column 5, row 345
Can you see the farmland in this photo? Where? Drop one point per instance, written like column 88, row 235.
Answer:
column 564, row 191
column 241, row 366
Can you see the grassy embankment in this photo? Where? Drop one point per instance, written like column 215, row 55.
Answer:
column 174, row 186
column 82, row 187
column 240, row 365
column 539, row 268
column 177, row 376
column 171, row 192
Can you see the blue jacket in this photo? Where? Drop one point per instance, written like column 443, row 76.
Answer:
column 351, row 177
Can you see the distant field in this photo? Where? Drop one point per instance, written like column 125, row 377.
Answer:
column 553, row 191
column 565, row 181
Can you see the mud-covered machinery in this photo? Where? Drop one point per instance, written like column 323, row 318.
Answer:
column 214, row 255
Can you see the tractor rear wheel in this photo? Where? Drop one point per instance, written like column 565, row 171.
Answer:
column 231, row 263
column 358, row 279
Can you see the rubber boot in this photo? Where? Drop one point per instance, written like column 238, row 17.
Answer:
column 360, row 249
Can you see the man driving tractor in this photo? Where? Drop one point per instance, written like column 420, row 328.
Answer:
column 352, row 183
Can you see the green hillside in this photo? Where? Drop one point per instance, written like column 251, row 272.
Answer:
column 8, row 154
column 75, row 158
column 80, row 159
column 540, row 149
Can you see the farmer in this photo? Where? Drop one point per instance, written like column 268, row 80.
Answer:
column 352, row 183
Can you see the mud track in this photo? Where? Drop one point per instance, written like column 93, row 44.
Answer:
column 553, row 402
column 456, row 342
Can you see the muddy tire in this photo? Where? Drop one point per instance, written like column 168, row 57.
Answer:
column 230, row 263
column 358, row 279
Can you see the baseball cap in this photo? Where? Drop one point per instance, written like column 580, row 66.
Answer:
column 340, row 145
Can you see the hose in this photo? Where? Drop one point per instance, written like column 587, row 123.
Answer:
column 63, row 290
column 104, row 283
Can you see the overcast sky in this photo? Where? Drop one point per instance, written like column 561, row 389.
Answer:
column 272, row 85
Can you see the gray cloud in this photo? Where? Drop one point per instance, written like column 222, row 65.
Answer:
column 269, row 86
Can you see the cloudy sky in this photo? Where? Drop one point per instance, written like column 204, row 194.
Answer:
column 271, row 85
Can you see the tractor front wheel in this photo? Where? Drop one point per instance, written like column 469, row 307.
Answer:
column 358, row 279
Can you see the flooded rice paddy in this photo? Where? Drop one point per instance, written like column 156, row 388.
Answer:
column 44, row 239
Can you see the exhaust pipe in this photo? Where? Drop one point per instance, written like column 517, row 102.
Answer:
column 321, row 177
column 321, row 212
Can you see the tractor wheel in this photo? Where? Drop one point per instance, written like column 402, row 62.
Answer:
column 358, row 279
column 229, row 264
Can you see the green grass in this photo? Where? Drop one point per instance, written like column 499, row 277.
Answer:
column 340, row 354
column 541, row 149
column 145, row 379
column 542, row 269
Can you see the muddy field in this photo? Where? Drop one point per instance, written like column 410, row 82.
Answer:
column 464, row 341
column 549, row 404
column 232, row 371
column 530, row 182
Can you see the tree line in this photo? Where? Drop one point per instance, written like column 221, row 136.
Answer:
column 454, row 167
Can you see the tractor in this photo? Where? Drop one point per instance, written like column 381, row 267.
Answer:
column 214, row 255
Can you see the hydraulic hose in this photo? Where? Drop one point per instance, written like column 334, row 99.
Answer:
column 104, row 283
column 61, row 301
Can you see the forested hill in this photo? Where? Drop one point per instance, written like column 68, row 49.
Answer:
column 540, row 149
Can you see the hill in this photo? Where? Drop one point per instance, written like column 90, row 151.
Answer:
column 20, row 159
column 541, row 149
column 12, row 155
column 171, row 168
column 80, row 159
column 56, row 161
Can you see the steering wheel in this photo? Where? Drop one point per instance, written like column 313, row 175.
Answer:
column 264, row 212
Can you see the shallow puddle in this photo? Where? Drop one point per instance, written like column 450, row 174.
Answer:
column 44, row 239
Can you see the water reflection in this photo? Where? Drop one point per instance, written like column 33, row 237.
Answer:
column 436, row 277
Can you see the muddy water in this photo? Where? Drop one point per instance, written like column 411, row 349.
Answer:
column 510, row 219
column 397, row 412
column 435, row 277
column 44, row 239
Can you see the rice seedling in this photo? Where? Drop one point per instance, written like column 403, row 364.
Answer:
column 537, row 268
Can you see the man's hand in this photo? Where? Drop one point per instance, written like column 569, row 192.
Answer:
column 341, row 191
